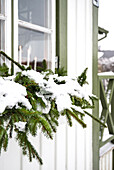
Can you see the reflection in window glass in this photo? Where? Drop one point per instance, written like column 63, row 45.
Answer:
column 36, row 12
column 2, row 35
column 2, row 39
column 33, row 47
column 2, row 6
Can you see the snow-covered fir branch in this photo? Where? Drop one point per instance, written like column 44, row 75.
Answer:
column 30, row 101
column 12, row 93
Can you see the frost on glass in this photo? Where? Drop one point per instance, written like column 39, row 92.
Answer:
column 33, row 48
column 35, row 12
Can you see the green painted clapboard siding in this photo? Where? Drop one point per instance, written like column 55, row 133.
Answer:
column 95, row 130
column 12, row 34
column 61, row 32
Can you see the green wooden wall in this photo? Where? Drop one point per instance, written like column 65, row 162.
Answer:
column 12, row 34
column 61, row 32
column 95, row 89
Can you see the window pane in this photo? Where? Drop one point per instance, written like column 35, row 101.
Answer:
column 2, row 39
column 2, row 35
column 34, row 11
column 2, row 6
column 33, row 45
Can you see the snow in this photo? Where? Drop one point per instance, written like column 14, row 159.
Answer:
column 100, row 54
column 63, row 102
column 47, row 103
column 60, row 92
column 110, row 73
column 46, row 109
column 106, row 149
column 11, row 94
column 20, row 125
column 36, row 76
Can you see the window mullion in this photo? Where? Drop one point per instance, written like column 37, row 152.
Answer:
column 34, row 27
column 15, row 30
column 2, row 17
column 53, row 16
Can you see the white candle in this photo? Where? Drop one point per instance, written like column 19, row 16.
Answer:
column 1, row 60
column 28, row 55
column 20, row 54
column 35, row 63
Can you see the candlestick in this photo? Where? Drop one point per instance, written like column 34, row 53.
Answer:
column 35, row 63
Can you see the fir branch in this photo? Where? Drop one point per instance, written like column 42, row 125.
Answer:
column 86, row 104
column 77, row 112
column 11, row 130
column 53, row 111
column 27, row 147
column 53, row 123
column 77, row 118
column 44, row 66
column 46, row 129
column 26, row 114
column 16, row 63
column 82, row 78
column 82, row 102
column 4, row 117
column 5, row 141
column 18, row 116
column 41, row 102
column 68, row 116
column 10, row 127
column 34, row 120
column 33, row 103
column 77, row 101
column 96, row 119
column 93, row 99
column 3, row 138
column 61, row 71
column 4, row 70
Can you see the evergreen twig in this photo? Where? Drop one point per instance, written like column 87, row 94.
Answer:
column 16, row 63
column 27, row 147
column 82, row 78
column 35, row 119
column 96, row 119
column 77, row 118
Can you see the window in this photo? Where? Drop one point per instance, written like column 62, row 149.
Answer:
column 2, row 27
column 2, row 24
column 36, row 41
column 2, row 35
column 27, row 31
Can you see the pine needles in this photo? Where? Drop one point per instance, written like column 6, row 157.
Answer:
column 44, row 113
column 27, row 147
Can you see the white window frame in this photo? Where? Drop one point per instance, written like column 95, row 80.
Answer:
column 8, row 27
column 7, row 21
column 24, row 24
column 6, row 17
column 3, row 18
